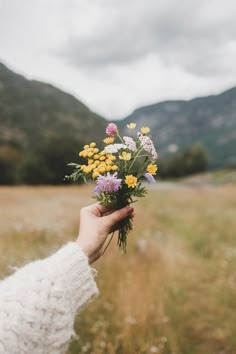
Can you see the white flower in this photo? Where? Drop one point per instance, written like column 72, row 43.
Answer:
column 148, row 146
column 113, row 148
column 130, row 143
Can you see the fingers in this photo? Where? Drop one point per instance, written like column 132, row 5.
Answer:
column 101, row 210
column 118, row 215
column 96, row 209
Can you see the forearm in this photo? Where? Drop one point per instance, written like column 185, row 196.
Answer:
column 39, row 302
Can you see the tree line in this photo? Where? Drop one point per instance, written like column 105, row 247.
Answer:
column 47, row 162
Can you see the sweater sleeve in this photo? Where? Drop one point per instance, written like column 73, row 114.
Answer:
column 39, row 302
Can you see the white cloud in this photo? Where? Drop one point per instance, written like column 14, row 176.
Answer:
column 118, row 55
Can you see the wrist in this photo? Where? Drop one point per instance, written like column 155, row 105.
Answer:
column 85, row 249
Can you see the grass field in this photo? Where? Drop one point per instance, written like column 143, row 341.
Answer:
column 175, row 290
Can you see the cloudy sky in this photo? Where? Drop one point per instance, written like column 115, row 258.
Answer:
column 117, row 55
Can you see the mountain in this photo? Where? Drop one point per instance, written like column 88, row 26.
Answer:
column 32, row 111
column 177, row 124
column 41, row 129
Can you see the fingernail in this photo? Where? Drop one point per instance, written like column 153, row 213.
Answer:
column 130, row 209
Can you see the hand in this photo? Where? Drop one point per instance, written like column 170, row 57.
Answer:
column 96, row 223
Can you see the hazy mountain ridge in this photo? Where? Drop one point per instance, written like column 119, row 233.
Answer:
column 32, row 112
column 209, row 120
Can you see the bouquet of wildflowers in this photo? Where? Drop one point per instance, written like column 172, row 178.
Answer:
column 118, row 170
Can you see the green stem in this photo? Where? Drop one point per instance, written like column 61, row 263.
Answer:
column 135, row 157
column 120, row 138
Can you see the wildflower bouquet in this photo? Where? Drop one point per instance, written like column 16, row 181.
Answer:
column 118, row 170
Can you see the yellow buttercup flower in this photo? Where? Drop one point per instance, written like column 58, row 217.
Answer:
column 131, row 181
column 108, row 168
column 145, row 130
column 86, row 147
column 131, row 125
column 92, row 145
column 109, row 140
column 152, row 169
column 96, row 157
column 126, row 156
column 90, row 162
column 90, row 154
column 102, row 158
column 95, row 150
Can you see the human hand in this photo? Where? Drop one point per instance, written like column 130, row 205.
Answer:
column 96, row 223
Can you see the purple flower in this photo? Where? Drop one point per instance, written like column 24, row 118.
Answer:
column 111, row 129
column 109, row 183
column 150, row 178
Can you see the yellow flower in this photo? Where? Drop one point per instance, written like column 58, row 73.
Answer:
column 108, row 162
column 86, row 147
column 111, row 157
column 131, row 181
column 97, row 163
column 114, row 168
column 90, row 162
column 126, row 156
column 95, row 174
column 131, row 125
column 102, row 158
column 145, row 130
column 90, row 154
column 108, row 168
column 96, row 157
column 92, row 145
column 102, row 169
column 152, row 169
column 85, row 154
column 87, row 169
column 103, row 152
column 95, row 150
column 109, row 140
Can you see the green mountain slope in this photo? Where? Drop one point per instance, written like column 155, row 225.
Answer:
column 41, row 129
column 31, row 111
column 177, row 124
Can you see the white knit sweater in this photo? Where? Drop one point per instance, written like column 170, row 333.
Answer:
column 38, row 303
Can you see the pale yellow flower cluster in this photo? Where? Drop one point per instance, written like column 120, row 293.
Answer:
column 144, row 130
column 99, row 162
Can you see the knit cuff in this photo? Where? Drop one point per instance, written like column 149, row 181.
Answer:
column 75, row 275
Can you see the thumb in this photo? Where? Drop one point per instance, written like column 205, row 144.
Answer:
column 118, row 215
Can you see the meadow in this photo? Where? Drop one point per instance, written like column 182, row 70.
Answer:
column 174, row 292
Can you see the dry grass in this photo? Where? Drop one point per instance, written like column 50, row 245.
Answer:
column 175, row 290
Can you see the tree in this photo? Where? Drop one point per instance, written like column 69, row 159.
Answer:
column 9, row 161
column 192, row 160
column 47, row 164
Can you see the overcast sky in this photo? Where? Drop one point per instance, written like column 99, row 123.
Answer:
column 118, row 55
